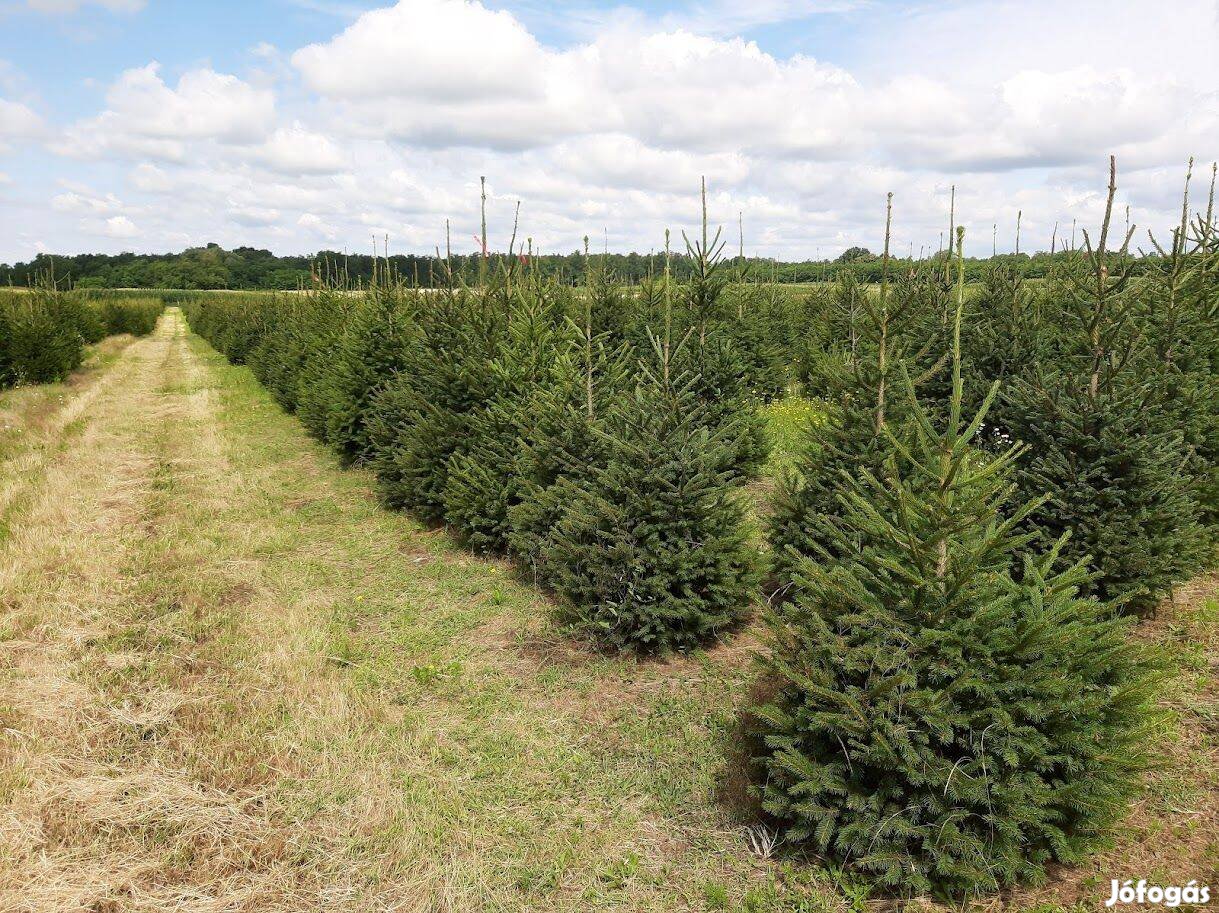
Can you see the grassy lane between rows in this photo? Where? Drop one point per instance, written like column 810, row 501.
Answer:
column 229, row 680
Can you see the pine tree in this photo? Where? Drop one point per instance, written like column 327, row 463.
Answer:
column 940, row 725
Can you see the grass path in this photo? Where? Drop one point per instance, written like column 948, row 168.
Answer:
column 230, row 681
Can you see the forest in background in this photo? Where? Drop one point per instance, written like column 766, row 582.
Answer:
column 248, row 268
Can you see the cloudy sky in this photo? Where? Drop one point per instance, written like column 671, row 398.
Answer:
column 153, row 125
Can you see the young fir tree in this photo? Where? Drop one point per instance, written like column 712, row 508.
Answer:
column 652, row 548
column 328, row 316
column 856, row 381
column 939, row 725
column 1115, row 471
column 567, row 441
column 1179, row 302
column 39, row 344
column 421, row 418
column 718, row 371
column 485, row 478
column 373, row 348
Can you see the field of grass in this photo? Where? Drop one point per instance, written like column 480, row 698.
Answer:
column 231, row 681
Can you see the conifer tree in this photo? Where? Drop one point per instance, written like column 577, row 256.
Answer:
column 327, row 317
column 567, row 441
column 855, row 382
column 652, row 550
column 484, row 479
column 1098, row 446
column 940, row 725
column 1180, row 305
column 718, row 373
column 371, row 351
column 421, row 418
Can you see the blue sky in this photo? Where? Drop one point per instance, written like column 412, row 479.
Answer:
column 152, row 125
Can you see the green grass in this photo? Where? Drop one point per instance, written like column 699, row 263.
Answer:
column 788, row 423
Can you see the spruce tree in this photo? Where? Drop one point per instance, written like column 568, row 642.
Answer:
column 373, row 348
column 324, row 324
column 1180, row 305
column 567, row 440
column 717, row 369
column 940, row 725
column 652, row 550
column 484, row 478
column 1115, row 471
column 421, row 418
column 874, row 335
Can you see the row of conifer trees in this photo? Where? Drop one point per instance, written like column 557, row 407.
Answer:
column 44, row 331
column 601, row 436
column 1007, row 477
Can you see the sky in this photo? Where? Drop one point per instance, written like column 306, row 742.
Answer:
column 299, row 125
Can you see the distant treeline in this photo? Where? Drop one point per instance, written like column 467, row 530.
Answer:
column 212, row 267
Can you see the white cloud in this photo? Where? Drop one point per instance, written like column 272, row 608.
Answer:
column 120, row 227
column 387, row 125
column 295, row 150
column 252, row 216
column 87, row 202
column 144, row 117
column 150, row 178
column 317, row 226
column 18, row 121
column 407, row 50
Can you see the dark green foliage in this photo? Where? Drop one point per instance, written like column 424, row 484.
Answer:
column 136, row 316
column 1116, row 483
column 298, row 341
column 940, row 724
column 763, row 331
column 719, row 378
column 1180, row 306
column 422, row 418
column 652, row 549
column 374, row 347
column 44, row 331
column 485, row 477
column 1103, row 443
column 74, row 311
column 567, row 443
column 873, row 340
column 41, row 341
column 717, row 368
